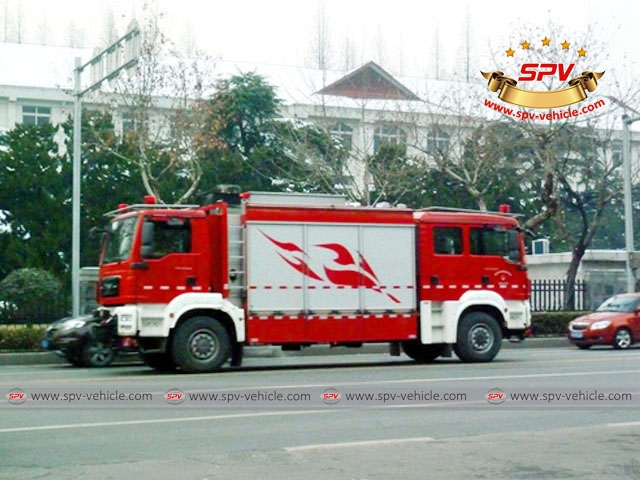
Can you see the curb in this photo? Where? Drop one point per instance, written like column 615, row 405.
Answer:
column 51, row 358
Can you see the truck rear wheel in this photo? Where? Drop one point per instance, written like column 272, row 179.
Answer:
column 479, row 338
column 422, row 353
column 201, row 344
column 163, row 362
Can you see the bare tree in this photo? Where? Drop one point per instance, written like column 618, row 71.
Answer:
column 379, row 45
column 109, row 32
column 321, row 48
column 75, row 35
column 188, row 42
column 164, row 109
column 437, row 55
column 43, row 33
column 589, row 180
column 349, row 55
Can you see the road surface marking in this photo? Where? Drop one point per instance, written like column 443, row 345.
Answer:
column 159, row 421
column 364, row 443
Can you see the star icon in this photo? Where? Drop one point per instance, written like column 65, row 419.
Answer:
column 510, row 52
column 565, row 45
column 525, row 45
column 582, row 52
column 545, row 41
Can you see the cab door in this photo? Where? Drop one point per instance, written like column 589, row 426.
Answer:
column 444, row 269
column 496, row 260
column 170, row 265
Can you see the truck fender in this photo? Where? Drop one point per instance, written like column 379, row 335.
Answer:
column 185, row 303
column 484, row 298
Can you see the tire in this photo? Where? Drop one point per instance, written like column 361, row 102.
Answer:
column 97, row 353
column 74, row 359
column 583, row 346
column 422, row 353
column 162, row 362
column 622, row 339
column 479, row 338
column 201, row 344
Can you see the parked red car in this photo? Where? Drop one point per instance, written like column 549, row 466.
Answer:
column 616, row 322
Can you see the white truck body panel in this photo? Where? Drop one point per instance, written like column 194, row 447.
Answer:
column 323, row 267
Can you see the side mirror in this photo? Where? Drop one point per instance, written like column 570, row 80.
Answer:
column 95, row 231
column 514, row 255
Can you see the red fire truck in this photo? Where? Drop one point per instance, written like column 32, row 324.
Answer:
column 195, row 285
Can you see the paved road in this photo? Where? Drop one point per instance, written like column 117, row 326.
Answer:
column 462, row 439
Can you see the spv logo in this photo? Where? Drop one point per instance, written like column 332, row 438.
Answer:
column 174, row 396
column 331, row 396
column 495, row 396
column 16, row 396
column 537, row 71
column 542, row 72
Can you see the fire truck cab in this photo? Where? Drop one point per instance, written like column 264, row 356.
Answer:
column 195, row 285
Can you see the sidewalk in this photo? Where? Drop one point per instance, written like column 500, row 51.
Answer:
column 48, row 358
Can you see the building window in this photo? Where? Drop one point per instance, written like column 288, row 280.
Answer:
column 616, row 153
column 128, row 123
column 437, row 142
column 388, row 135
column 344, row 133
column 36, row 115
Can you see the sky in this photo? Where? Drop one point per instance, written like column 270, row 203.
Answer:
column 406, row 36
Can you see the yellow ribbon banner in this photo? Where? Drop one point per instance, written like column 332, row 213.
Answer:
column 556, row 98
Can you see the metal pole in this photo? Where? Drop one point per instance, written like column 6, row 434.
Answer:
column 75, row 199
column 628, row 207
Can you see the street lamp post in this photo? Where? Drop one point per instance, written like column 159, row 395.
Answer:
column 106, row 65
column 628, row 206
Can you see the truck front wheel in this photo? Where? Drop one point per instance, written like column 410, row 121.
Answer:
column 201, row 344
column 422, row 353
column 479, row 338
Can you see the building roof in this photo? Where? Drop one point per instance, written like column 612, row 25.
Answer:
column 368, row 82
column 26, row 65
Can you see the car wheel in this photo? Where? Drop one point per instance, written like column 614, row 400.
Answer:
column 97, row 353
column 583, row 346
column 622, row 339
column 74, row 359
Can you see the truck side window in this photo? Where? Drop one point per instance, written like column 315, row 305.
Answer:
column 171, row 236
column 489, row 241
column 447, row 240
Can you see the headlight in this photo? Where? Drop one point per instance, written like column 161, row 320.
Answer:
column 73, row 324
column 600, row 325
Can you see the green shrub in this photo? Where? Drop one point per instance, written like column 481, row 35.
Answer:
column 544, row 324
column 21, row 338
column 31, row 296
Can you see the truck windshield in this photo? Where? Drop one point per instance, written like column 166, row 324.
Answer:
column 119, row 240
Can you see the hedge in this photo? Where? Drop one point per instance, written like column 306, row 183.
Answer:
column 21, row 338
column 551, row 324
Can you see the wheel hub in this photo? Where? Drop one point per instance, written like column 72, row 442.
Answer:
column 203, row 345
column 481, row 338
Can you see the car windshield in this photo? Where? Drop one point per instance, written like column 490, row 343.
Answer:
column 620, row 303
column 119, row 240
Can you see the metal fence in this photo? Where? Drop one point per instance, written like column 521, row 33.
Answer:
column 32, row 314
column 548, row 295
